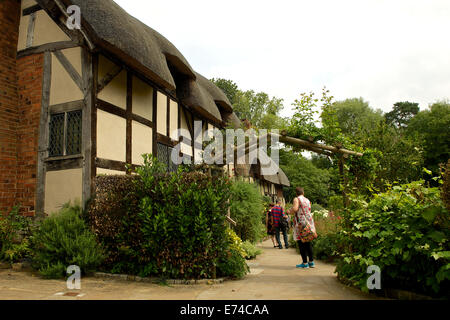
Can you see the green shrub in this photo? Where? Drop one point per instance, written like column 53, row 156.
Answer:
column 247, row 209
column 15, row 232
column 403, row 231
column 336, row 203
column 327, row 247
column 156, row 223
column 232, row 263
column 250, row 250
column 63, row 239
column 316, row 207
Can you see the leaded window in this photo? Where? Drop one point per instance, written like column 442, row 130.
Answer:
column 164, row 153
column 65, row 134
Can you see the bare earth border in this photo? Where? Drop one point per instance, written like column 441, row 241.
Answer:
column 157, row 280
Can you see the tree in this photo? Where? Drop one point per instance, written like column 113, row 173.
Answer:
column 302, row 173
column 356, row 117
column 402, row 113
column 433, row 127
column 257, row 107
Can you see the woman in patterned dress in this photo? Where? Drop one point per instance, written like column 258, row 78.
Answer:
column 304, row 228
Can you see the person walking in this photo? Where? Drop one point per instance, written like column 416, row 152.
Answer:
column 279, row 224
column 269, row 225
column 304, row 228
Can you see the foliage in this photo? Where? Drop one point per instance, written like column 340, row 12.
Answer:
column 432, row 126
column 257, row 107
column 355, row 117
column 247, row 209
column 405, row 232
column 15, row 232
column 327, row 244
column 316, row 207
column 445, row 193
column 402, row 113
column 233, row 264
column 166, row 224
column 250, row 250
column 63, row 239
column 301, row 172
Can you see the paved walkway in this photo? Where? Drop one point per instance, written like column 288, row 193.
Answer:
column 273, row 276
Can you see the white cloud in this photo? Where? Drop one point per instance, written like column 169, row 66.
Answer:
column 383, row 51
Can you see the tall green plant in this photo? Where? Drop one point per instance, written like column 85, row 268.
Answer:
column 64, row 239
column 403, row 231
column 247, row 209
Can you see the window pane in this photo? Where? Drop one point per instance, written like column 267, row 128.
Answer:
column 73, row 141
column 172, row 166
column 163, row 154
column 56, row 135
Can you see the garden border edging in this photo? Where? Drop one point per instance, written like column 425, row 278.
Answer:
column 388, row 292
column 158, row 280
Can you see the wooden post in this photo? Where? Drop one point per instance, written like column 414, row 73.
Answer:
column 344, row 181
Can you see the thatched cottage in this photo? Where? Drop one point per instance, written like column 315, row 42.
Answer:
column 78, row 103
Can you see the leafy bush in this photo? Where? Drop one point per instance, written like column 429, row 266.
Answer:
column 403, row 231
column 316, row 207
column 233, row 264
column 168, row 225
column 250, row 250
column 15, row 231
column 63, row 239
column 247, row 209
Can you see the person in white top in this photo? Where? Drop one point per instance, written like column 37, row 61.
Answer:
column 304, row 228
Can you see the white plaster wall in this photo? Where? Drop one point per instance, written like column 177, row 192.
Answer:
column 141, row 142
column 63, row 88
column 46, row 30
column 111, row 136
column 142, row 99
column 116, row 91
column 61, row 187
column 23, row 31
column 173, row 119
column 101, row 171
column 161, row 113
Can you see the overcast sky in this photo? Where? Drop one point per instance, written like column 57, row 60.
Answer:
column 383, row 51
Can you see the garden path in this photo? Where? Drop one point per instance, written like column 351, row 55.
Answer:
column 273, row 276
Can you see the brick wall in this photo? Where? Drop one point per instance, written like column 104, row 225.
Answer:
column 9, row 31
column 29, row 79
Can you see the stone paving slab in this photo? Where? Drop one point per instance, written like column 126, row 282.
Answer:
column 273, row 276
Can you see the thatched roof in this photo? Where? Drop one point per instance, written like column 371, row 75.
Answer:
column 271, row 172
column 111, row 28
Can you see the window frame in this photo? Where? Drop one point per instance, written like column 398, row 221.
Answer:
column 64, row 154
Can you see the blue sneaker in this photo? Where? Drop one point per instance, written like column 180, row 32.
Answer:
column 303, row 265
column 311, row 264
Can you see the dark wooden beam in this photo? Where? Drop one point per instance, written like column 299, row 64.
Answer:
column 30, row 30
column 30, row 10
column 70, row 69
column 112, row 164
column 129, row 113
column 154, row 120
column 160, row 138
column 93, row 98
column 64, row 164
column 48, row 47
column 88, row 79
column 43, row 135
column 108, row 107
column 109, row 77
column 67, row 106
column 142, row 120
column 168, row 117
